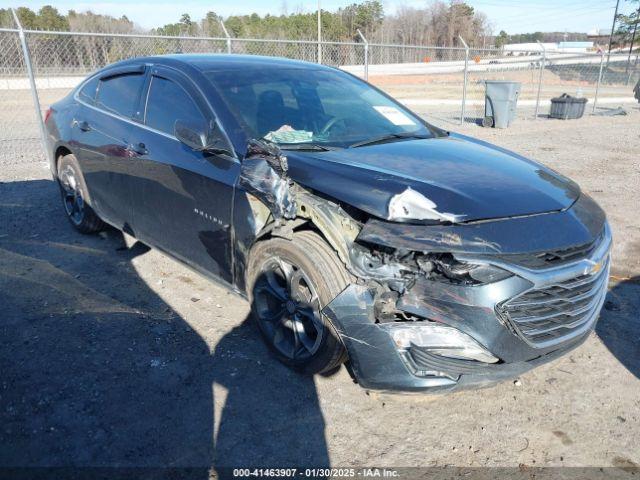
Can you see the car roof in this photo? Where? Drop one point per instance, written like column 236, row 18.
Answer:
column 214, row 61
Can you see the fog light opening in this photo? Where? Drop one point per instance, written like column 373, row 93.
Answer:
column 440, row 340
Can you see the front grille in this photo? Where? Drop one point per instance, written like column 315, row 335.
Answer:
column 553, row 258
column 555, row 313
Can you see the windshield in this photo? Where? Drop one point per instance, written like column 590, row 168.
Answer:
column 317, row 107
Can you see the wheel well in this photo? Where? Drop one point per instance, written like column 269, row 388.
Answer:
column 61, row 152
column 288, row 227
column 285, row 229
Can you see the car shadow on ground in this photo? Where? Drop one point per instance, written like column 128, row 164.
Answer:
column 98, row 371
column 619, row 324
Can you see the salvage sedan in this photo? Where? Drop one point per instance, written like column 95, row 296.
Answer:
column 424, row 259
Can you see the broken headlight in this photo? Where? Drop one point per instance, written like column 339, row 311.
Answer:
column 439, row 340
column 446, row 267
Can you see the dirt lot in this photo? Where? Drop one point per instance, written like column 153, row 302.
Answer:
column 115, row 355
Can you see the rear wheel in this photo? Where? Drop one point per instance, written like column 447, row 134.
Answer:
column 74, row 195
column 289, row 283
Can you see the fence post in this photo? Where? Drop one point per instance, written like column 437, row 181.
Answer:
column 595, row 100
column 464, row 85
column 366, row 54
column 32, row 84
column 227, row 36
column 319, row 17
column 631, row 70
column 542, row 65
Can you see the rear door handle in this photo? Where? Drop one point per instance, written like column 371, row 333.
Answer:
column 82, row 125
column 139, row 148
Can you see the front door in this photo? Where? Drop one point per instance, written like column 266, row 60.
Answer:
column 182, row 198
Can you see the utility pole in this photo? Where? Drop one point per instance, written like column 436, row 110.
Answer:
column 613, row 28
column 319, row 33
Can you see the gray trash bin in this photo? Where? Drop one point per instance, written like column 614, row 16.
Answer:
column 566, row 107
column 500, row 102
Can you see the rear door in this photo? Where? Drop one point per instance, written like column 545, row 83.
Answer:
column 182, row 198
column 101, row 130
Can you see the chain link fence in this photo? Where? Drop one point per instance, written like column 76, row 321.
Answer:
column 20, row 140
column 443, row 84
column 544, row 75
column 428, row 80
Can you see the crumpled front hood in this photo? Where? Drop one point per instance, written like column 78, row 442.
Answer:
column 461, row 175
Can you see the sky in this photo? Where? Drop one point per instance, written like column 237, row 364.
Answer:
column 513, row 16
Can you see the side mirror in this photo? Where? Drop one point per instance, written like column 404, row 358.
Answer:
column 193, row 136
column 198, row 136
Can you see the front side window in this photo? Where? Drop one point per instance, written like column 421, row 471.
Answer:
column 294, row 105
column 120, row 94
column 167, row 102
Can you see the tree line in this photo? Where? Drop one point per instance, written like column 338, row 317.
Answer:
column 438, row 23
column 504, row 38
column 49, row 18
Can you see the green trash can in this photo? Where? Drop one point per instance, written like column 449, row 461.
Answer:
column 501, row 98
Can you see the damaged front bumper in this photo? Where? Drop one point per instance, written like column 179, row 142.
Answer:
column 505, row 318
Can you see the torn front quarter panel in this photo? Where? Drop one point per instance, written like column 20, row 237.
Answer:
column 264, row 174
column 580, row 224
column 341, row 230
column 265, row 186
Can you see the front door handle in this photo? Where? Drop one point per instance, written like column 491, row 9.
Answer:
column 139, row 148
column 82, row 125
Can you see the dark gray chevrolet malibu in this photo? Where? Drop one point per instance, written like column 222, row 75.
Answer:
column 423, row 259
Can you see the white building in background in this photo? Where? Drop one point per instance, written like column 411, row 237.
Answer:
column 555, row 47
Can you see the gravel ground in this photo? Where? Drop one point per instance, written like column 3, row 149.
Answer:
column 114, row 355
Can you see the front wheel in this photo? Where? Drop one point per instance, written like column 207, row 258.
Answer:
column 289, row 283
column 74, row 194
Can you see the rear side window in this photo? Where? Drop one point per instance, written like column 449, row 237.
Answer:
column 167, row 102
column 88, row 91
column 120, row 94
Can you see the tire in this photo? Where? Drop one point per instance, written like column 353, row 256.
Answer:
column 73, row 190
column 312, row 268
column 487, row 122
